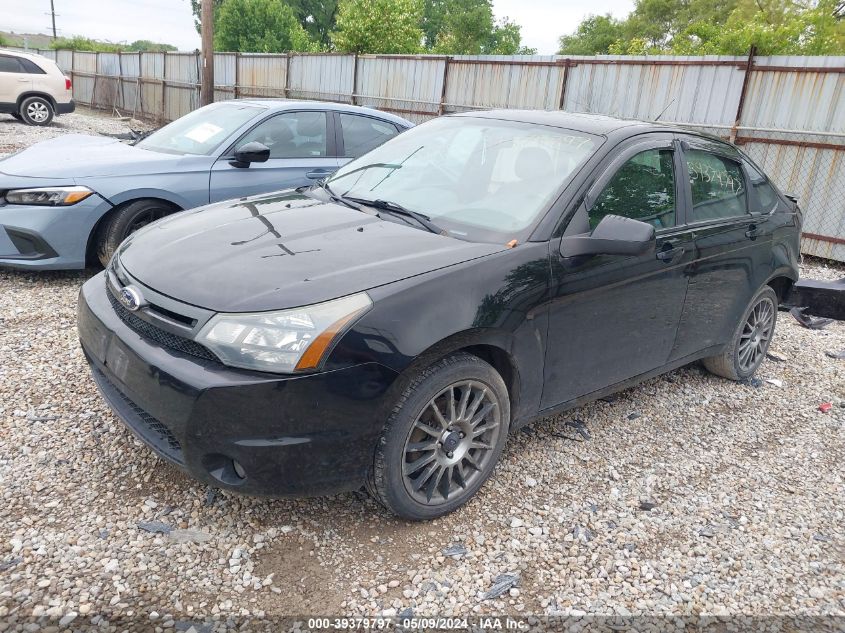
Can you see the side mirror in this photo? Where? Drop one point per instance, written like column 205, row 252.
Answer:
column 614, row 235
column 253, row 152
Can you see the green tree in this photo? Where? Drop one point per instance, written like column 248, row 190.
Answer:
column 506, row 39
column 79, row 43
column 317, row 17
column 378, row 26
column 594, row 36
column 196, row 8
column 715, row 27
column 466, row 27
column 259, row 26
column 148, row 46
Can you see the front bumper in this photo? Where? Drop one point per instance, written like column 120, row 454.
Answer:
column 48, row 238
column 293, row 436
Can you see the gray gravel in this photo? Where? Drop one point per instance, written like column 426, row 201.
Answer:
column 15, row 136
column 687, row 495
column 745, row 487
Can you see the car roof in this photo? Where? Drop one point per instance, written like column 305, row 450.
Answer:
column 31, row 56
column 580, row 121
column 286, row 104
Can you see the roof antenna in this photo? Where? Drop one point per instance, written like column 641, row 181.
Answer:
column 662, row 112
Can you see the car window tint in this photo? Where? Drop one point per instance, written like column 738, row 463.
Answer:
column 718, row 188
column 361, row 134
column 31, row 67
column 292, row 135
column 767, row 197
column 642, row 189
column 10, row 65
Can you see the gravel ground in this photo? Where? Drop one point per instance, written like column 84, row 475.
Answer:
column 687, row 495
column 15, row 136
column 744, row 486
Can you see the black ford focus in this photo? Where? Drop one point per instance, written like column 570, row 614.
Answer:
column 392, row 325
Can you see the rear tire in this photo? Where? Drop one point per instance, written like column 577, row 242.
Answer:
column 126, row 220
column 36, row 111
column 747, row 349
column 442, row 440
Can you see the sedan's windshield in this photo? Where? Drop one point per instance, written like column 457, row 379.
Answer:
column 202, row 131
column 480, row 179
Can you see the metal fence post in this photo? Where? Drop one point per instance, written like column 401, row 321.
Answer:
column 353, row 100
column 749, row 66
column 237, row 75
column 163, row 85
column 287, row 75
column 442, row 108
column 562, row 102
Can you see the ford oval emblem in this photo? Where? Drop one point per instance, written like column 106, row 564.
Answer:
column 131, row 298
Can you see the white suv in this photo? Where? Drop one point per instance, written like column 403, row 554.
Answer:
column 32, row 88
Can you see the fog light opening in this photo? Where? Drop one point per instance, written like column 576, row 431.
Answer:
column 239, row 470
column 225, row 469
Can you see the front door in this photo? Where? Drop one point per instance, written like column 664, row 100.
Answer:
column 302, row 151
column 615, row 317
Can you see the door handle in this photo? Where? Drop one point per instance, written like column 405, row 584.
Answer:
column 753, row 231
column 316, row 174
column 671, row 254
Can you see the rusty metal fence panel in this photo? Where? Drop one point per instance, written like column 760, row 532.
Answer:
column 261, row 75
column 409, row 86
column 787, row 113
column 326, row 77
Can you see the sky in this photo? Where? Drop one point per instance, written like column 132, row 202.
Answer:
column 170, row 21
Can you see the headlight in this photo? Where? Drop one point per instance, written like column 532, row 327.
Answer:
column 284, row 342
column 48, row 196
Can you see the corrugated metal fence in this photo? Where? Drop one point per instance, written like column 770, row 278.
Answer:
column 787, row 112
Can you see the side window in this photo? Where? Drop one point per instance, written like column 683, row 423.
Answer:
column 361, row 134
column 31, row 67
column 291, row 135
column 10, row 65
column 718, row 188
column 767, row 197
column 642, row 189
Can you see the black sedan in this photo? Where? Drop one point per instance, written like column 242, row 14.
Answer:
column 391, row 326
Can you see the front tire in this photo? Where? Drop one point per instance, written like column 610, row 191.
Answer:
column 125, row 221
column 747, row 349
column 442, row 440
column 36, row 111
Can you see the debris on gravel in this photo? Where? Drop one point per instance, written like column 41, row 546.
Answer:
column 741, row 485
column 15, row 136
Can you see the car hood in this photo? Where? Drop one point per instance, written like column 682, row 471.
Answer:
column 80, row 156
column 282, row 250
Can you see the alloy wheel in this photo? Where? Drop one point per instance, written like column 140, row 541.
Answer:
column 756, row 333
column 451, row 442
column 38, row 111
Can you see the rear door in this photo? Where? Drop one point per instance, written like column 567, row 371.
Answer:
column 302, row 151
column 14, row 80
column 733, row 244
column 358, row 134
column 614, row 317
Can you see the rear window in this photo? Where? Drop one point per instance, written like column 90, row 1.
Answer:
column 31, row 67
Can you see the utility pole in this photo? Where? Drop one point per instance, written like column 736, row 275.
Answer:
column 53, row 14
column 207, row 29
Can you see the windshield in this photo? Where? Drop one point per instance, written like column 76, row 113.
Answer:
column 480, row 179
column 202, row 131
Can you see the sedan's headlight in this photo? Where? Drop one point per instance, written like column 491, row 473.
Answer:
column 285, row 342
column 48, row 196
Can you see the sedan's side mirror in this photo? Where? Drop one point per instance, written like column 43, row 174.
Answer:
column 614, row 235
column 253, row 152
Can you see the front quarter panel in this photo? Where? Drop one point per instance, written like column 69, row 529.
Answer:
column 495, row 301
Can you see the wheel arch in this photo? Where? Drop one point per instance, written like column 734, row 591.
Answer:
column 35, row 93
column 491, row 346
column 91, row 245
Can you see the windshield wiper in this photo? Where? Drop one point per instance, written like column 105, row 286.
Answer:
column 336, row 198
column 398, row 209
column 391, row 166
